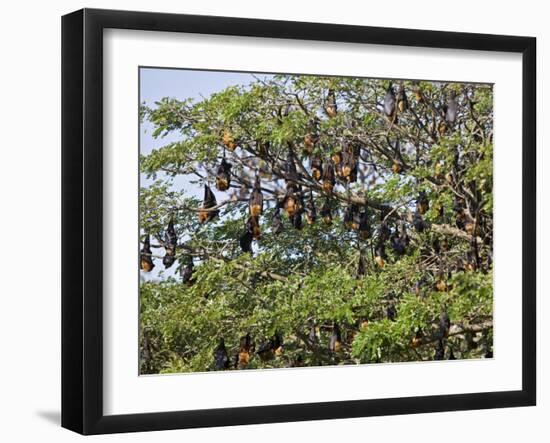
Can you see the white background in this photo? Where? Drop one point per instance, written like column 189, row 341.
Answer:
column 125, row 392
column 30, row 184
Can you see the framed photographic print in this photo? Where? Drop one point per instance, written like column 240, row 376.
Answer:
column 271, row 221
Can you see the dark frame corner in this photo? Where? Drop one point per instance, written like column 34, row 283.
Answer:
column 82, row 67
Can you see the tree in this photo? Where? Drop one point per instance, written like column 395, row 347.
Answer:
column 372, row 241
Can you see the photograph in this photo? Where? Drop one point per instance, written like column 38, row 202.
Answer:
column 299, row 220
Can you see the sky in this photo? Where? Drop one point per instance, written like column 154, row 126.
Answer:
column 157, row 83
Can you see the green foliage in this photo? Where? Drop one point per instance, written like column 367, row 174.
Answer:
column 300, row 283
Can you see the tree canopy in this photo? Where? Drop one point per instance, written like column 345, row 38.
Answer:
column 344, row 221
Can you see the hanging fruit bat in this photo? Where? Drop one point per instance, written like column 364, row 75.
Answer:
column 389, row 104
column 364, row 226
column 402, row 103
column 244, row 351
column 326, row 212
column 316, row 168
column 331, row 107
column 349, row 166
column 276, row 221
column 417, row 338
column 221, row 359
column 186, row 269
column 253, row 227
column 311, row 212
column 328, row 177
column 256, row 201
column 312, row 137
column 170, row 244
column 208, row 202
column 296, row 220
column 337, row 160
column 228, row 140
column 291, row 175
column 422, row 203
column 349, row 216
column 451, row 110
column 270, row 348
column 146, row 257
column 245, row 242
column 335, row 342
column 223, row 176
column 361, row 267
column 397, row 164
column 290, row 202
column 380, row 254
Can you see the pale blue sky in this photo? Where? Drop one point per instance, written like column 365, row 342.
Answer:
column 181, row 84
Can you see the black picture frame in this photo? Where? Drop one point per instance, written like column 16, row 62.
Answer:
column 82, row 218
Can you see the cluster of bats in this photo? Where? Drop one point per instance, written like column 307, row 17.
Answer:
column 297, row 205
column 269, row 349
column 342, row 165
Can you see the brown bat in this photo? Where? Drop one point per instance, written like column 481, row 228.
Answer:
column 170, row 244
column 244, row 351
column 316, row 168
column 256, row 201
column 331, row 108
column 402, row 103
column 223, row 176
column 328, row 177
column 146, row 259
column 208, row 202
